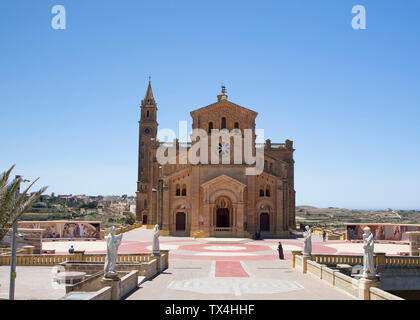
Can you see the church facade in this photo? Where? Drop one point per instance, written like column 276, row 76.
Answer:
column 214, row 199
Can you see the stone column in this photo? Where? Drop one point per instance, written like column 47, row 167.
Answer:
column 207, row 217
column 251, row 195
column 234, row 218
column 166, row 208
column 240, row 218
column 195, row 198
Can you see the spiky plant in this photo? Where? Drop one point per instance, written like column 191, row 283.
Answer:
column 13, row 206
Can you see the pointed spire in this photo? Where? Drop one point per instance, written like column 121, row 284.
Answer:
column 148, row 98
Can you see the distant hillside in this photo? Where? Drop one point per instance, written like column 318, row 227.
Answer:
column 335, row 218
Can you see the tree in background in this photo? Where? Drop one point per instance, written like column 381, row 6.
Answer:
column 130, row 219
column 13, row 206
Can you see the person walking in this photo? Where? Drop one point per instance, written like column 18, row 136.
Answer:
column 324, row 236
column 280, row 250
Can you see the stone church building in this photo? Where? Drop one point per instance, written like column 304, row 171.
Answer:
column 205, row 199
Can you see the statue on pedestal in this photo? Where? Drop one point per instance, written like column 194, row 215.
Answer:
column 307, row 242
column 112, row 244
column 368, row 259
column 155, row 246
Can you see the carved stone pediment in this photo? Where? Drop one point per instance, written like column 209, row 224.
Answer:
column 223, row 185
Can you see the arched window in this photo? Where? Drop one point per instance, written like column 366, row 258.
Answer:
column 184, row 190
column 236, row 125
column 145, row 204
column 261, row 191
column 267, row 191
column 271, row 167
column 223, row 123
column 265, row 165
column 147, row 114
column 178, row 190
column 210, row 126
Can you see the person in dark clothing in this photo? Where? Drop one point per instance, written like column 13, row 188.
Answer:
column 71, row 249
column 324, row 236
column 280, row 250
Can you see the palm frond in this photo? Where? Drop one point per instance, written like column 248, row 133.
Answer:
column 13, row 205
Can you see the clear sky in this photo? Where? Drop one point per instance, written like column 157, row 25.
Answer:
column 349, row 99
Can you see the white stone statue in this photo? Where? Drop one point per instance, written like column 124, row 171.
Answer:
column 368, row 259
column 307, row 242
column 112, row 244
column 155, row 246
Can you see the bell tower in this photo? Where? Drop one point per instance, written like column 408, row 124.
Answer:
column 147, row 136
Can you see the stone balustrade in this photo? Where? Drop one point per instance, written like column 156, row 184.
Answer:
column 52, row 260
column 365, row 289
column 381, row 259
column 224, row 229
column 335, row 259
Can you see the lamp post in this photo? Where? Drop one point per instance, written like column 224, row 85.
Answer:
column 13, row 249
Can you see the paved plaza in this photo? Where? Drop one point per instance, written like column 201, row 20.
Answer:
column 204, row 269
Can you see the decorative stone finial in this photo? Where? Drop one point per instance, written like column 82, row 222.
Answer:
column 222, row 95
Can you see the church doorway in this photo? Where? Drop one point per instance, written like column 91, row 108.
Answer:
column 180, row 221
column 264, row 222
column 222, row 218
column 144, row 221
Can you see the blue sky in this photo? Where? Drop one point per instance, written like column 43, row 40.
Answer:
column 69, row 99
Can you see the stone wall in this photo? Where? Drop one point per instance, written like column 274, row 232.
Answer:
column 146, row 269
column 128, row 283
column 378, row 294
column 360, row 289
column 346, row 283
column 92, row 283
column 400, row 278
column 103, row 294
column 298, row 262
column 314, row 268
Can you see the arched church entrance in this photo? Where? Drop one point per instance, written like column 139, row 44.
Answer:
column 180, row 221
column 264, row 221
column 144, row 220
column 222, row 218
column 223, row 210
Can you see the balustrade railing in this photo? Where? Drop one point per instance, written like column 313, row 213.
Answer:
column 52, row 260
column 380, row 259
column 403, row 261
column 223, row 229
column 337, row 259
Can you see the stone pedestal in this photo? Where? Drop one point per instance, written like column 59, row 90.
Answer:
column 156, row 253
column 115, row 284
column 305, row 259
column 294, row 254
column 364, row 286
column 414, row 238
